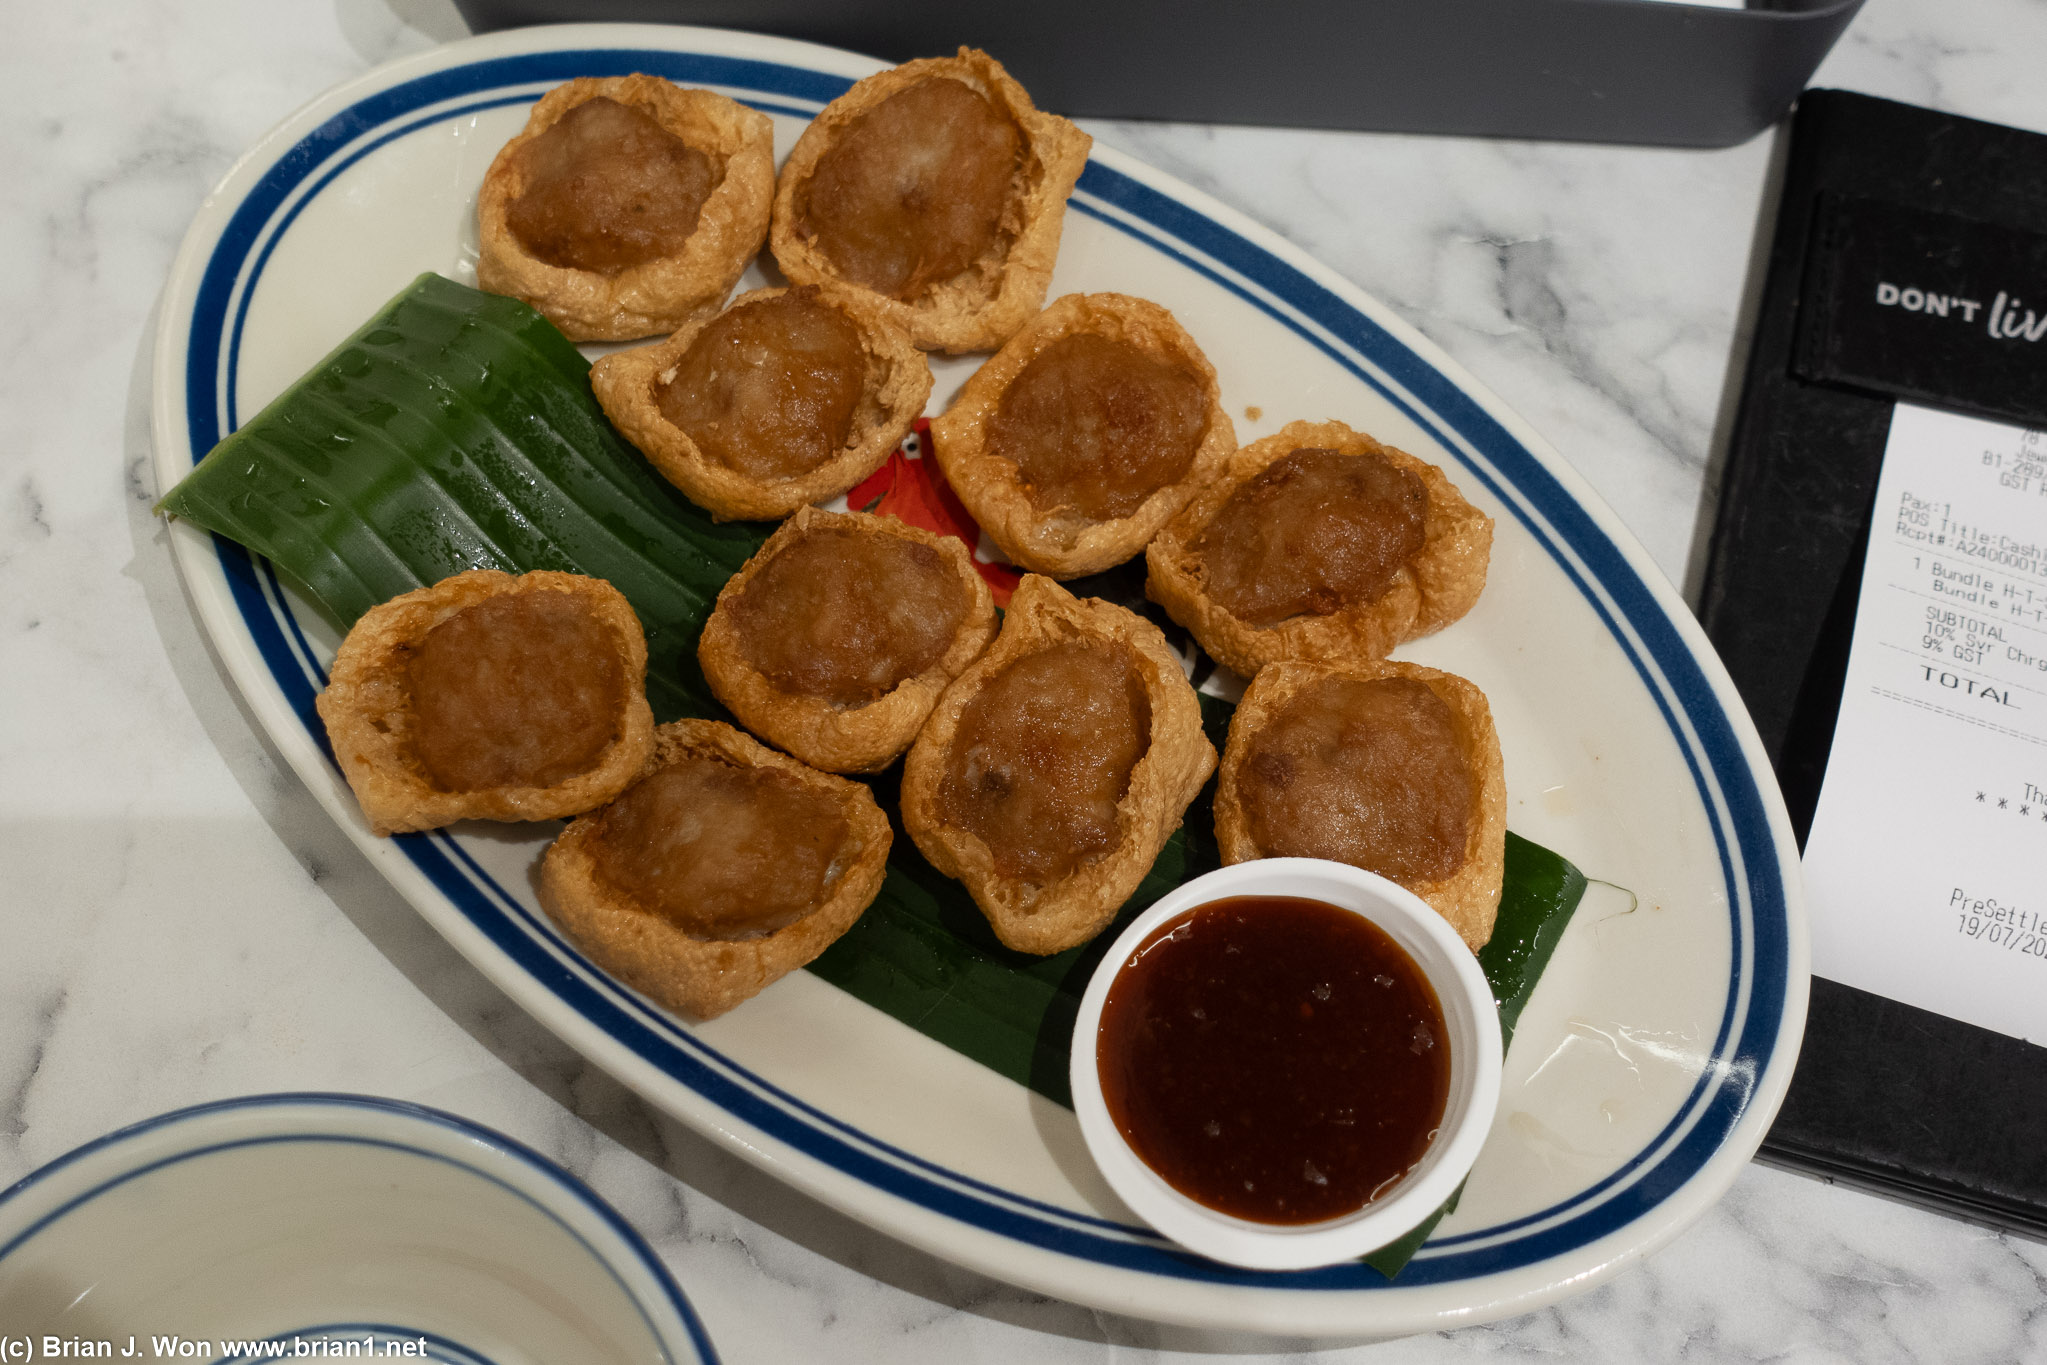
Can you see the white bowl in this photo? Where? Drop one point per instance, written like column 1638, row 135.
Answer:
column 1469, row 1016
column 339, row 1219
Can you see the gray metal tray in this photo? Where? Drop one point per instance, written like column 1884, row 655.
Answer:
column 1589, row 70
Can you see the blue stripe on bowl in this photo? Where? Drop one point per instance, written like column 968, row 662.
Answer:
column 547, row 1171
column 1758, row 917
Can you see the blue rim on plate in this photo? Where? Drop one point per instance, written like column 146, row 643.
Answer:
column 545, row 1173
column 1767, row 984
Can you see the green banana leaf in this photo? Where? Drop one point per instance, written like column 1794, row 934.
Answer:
column 456, row 430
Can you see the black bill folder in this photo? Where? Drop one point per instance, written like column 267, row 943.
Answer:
column 1884, row 207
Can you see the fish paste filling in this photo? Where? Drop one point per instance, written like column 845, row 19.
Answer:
column 520, row 690
column 846, row 615
column 1097, row 425
column 1043, row 754
column 1365, row 773
column 722, row 852
column 769, row 389
column 914, row 190
column 607, row 187
column 1311, row 534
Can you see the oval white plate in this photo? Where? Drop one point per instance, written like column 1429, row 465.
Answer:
column 374, row 1227
column 1649, row 1063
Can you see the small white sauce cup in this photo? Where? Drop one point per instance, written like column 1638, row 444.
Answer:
column 1470, row 1018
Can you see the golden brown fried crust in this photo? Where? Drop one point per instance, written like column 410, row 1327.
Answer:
column 840, row 739
column 1469, row 898
column 983, row 306
column 660, row 295
column 892, row 396
column 368, row 708
column 704, row 977
column 1073, row 909
column 1438, row 585
column 1069, row 546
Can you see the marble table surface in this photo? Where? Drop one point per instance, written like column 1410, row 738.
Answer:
column 179, row 922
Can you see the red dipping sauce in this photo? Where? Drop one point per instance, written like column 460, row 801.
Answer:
column 1276, row 1059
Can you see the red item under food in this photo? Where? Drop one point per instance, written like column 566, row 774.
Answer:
column 913, row 491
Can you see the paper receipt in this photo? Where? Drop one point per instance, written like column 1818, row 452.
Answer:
column 1926, row 866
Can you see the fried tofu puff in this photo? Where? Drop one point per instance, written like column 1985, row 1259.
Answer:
column 1391, row 767
column 627, row 207
column 1090, row 428
column 490, row 697
column 939, row 188
column 788, row 397
column 1053, row 770
column 1319, row 543
column 722, row 869
column 834, row 641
